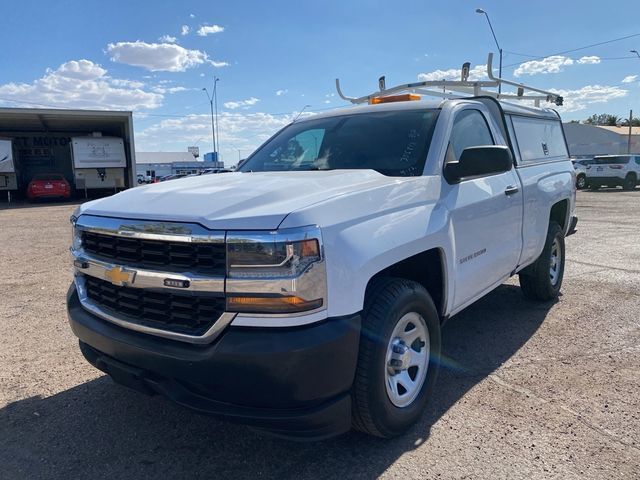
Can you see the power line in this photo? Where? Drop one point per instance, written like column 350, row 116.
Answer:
column 574, row 50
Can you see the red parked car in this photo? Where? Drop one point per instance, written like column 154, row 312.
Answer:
column 48, row 185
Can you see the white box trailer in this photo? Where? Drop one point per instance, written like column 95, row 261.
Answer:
column 8, row 180
column 98, row 162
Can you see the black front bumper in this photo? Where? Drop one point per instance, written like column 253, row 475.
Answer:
column 293, row 382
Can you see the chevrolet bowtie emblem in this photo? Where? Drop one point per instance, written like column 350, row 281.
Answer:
column 117, row 276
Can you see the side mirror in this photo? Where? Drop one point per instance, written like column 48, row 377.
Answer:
column 479, row 161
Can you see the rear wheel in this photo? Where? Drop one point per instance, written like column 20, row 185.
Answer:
column 398, row 357
column 629, row 182
column 543, row 279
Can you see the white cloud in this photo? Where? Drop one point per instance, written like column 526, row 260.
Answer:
column 81, row 84
column 184, row 30
column 629, row 78
column 244, row 131
column 241, row 103
column 581, row 98
column 551, row 64
column 191, row 15
column 589, row 60
column 205, row 30
column 121, row 82
column 218, row 64
column 164, row 90
column 167, row 39
column 167, row 57
column 279, row 93
column 479, row 72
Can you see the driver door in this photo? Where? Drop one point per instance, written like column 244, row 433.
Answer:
column 486, row 215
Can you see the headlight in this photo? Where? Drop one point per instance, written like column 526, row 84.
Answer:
column 269, row 256
column 76, row 239
column 275, row 272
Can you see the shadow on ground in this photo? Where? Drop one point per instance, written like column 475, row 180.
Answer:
column 99, row 429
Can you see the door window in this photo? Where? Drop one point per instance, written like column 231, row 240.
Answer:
column 470, row 129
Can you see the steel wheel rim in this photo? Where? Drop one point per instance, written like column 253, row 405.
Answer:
column 581, row 182
column 554, row 268
column 407, row 359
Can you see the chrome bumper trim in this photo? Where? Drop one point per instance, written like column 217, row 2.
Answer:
column 216, row 329
column 142, row 278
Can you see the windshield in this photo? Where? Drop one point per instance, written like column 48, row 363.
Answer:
column 392, row 143
column 611, row 160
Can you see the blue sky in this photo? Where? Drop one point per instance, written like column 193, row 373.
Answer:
column 275, row 57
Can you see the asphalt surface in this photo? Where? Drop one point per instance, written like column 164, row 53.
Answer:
column 527, row 390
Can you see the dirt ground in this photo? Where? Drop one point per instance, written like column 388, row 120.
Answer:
column 527, row 390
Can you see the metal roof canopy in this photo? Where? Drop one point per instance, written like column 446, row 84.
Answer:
column 117, row 123
column 72, row 122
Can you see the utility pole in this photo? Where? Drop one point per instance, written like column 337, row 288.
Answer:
column 213, row 131
column 630, row 123
column 482, row 12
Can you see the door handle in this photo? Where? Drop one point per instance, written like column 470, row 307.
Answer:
column 511, row 189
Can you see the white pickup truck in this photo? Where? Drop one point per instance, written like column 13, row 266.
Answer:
column 304, row 294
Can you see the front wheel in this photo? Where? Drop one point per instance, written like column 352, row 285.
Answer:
column 398, row 357
column 581, row 182
column 542, row 280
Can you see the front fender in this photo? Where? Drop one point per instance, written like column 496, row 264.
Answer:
column 372, row 230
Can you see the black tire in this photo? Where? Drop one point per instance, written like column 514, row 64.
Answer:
column 535, row 280
column 387, row 301
column 581, row 181
column 629, row 182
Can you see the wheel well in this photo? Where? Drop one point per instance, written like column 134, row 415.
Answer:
column 559, row 213
column 426, row 268
column 632, row 175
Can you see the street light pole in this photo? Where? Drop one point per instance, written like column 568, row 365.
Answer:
column 215, row 99
column 213, row 131
column 482, row 12
column 300, row 113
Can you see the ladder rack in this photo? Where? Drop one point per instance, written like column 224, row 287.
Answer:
column 463, row 86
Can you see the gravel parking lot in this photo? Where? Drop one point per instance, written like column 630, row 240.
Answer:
column 527, row 390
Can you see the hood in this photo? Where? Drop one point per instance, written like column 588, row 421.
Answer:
column 240, row 201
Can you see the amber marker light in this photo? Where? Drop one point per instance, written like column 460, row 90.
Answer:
column 284, row 304
column 406, row 97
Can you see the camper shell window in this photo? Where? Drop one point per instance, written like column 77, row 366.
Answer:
column 539, row 139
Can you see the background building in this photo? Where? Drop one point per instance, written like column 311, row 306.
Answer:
column 589, row 140
column 159, row 164
column 40, row 143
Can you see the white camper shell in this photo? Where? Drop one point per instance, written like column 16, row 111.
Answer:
column 8, row 179
column 98, row 162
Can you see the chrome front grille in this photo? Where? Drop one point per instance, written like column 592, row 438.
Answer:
column 161, row 278
column 185, row 313
column 173, row 256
